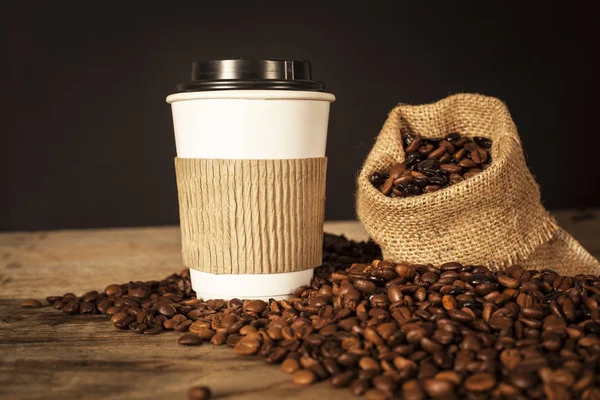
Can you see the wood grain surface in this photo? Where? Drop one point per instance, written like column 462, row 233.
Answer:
column 47, row 354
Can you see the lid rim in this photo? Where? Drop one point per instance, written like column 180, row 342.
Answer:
column 250, row 84
column 251, row 73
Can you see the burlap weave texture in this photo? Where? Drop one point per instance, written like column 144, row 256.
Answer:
column 251, row 216
column 495, row 218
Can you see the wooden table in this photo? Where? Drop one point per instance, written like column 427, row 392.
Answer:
column 47, row 354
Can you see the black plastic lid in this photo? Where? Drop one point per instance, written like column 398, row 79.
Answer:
column 247, row 73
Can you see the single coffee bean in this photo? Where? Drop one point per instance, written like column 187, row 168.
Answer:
column 466, row 163
column 470, row 146
column 199, row 393
column 104, row 305
column 437, row 153
column 403, row 179
column 343, row 379
column 455, row 178
column 53, row 299
column 71, row 307
column 431, row 188
column 387, row 186
column 138, row 327
column 412, row 158
column 153, row 331
column 365, row 286
column 451, row 168
column 426, row 149
column 167, row 310
column 377, row 179
column 397, row 170
column 483, row 142
column 304, row 377
column 113, row 290
column 140, row 292
column 189, row 339
column 247, row 347
column 438, row 388
column 480, row 382
column 508, row 282
column 182, row 326
column 359, row 387
column 448, row 146
column 32, row 303
column 289, row 366
column 479, row 156
column 87, row 308
column 452, row 136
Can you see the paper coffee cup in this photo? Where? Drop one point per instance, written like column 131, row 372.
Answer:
column 249, row 110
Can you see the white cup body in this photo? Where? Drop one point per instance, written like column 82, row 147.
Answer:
column 250, row 124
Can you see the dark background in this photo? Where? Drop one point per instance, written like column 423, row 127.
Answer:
column 87, row 139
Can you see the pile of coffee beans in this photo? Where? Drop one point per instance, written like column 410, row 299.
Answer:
column 383, row 329
column 432, row 164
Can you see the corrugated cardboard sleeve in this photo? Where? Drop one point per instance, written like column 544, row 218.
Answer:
column 251, row 216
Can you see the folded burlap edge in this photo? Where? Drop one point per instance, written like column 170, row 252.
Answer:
column 251, row 216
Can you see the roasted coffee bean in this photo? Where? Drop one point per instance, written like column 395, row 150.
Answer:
column 365, row 286
column 304, row 377
column 343, row 379
column 479, row 156
column 189, row 339
column 396, row 170
column 451, row 168
column 460, row 331
column 440, row 162
column 290, row 365
column 455, row 178
column 480, row 382
column 53, row 299
column 377, row 179
column 483, row 142
column 87, row 308
column 431, row 188
column 118, row 317
column 247, row 346
column 71, row 307
column 140, row 292
column 467, row 163
column 437, row 153
column 412, row 158
column 199, row 393
column 182, row 326
column 167, row 310
column 438, row 388
column 32, row 303
column 426, row 149
column 219, row 338
column 452, row 136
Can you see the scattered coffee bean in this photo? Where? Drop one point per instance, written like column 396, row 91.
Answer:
column 199, row 393
column 440, row 163
column 290, row 365
column 32, row 303
column 189, row 339
column 480, row 382
column 304, row 377
column 383, row 329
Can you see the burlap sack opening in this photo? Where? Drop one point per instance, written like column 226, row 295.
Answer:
column 495, row 218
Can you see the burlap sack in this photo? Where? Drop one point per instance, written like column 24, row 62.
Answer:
column 495, row 218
